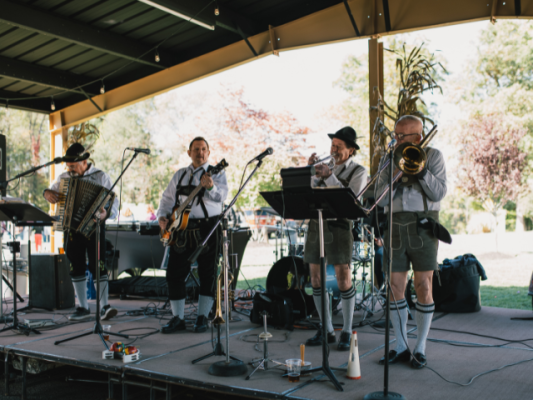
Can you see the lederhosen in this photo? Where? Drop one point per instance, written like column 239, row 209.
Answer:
column 338, row 237
column 412, row 239
column 188, row 240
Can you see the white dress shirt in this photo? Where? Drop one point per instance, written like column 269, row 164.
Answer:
column 410, row 198
column 213, row 199
column 95, row 175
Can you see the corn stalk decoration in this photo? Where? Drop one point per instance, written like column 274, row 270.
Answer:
column 418, row 74
column 85, row 134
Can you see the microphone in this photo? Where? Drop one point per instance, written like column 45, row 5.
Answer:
column 136, row 150
column 265, row 153
column 392, row 143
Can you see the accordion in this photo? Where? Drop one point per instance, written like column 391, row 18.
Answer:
column 78, row 199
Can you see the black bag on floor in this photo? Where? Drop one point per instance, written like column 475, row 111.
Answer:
column 279, row 309
column 460, row 278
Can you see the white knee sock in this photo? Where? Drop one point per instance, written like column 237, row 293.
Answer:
column 317, row 297
column 178, row 308
column 205, row 303
column 424, row 315
column 80, row 288
column 104, row 291
column 348, row 304
column 399, row 323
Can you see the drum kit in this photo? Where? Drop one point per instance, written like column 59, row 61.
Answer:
column 290, row 275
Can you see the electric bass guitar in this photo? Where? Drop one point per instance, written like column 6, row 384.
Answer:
column 179, row 217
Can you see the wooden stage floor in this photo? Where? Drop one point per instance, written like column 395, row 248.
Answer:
column 456, row 351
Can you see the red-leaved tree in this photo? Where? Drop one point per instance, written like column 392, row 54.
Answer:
column 493, row 163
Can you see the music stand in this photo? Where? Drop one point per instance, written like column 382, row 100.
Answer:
column 21, row 214
column 308, row 203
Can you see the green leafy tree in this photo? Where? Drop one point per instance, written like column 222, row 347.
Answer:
column 28, row 145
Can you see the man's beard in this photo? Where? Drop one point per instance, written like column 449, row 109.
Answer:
column 73, row 174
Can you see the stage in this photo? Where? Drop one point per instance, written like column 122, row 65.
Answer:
column 166, row 359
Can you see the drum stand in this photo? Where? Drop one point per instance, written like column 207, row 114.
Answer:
column 263, row 362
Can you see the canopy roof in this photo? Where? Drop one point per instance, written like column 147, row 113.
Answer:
column 66, row 50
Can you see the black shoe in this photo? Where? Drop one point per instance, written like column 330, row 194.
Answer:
column 201, row 324
column 107, row 312
column 174, row 325
column 419, row 361
column 394, row 357
column 317, row 339
column 344, row 341
column 81, row 314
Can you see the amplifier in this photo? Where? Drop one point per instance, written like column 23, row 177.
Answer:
column 50, row 284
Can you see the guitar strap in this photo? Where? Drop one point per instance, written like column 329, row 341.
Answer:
column 186, row 190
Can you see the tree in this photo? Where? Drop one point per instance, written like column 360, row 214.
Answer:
column 397, row 76
column 28, row 145
column 493, row 163
column 500, row 80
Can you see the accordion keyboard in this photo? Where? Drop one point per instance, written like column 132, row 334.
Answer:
column 60, row 207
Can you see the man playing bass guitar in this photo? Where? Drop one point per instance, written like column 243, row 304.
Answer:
column 205, row 208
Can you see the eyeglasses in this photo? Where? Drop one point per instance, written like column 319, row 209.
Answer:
column 401, row 135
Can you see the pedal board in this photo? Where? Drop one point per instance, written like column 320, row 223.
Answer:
column 38, row 323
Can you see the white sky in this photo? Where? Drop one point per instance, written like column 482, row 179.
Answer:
column 301, row 81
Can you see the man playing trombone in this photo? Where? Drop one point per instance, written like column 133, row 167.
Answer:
column 416, row 203
column 338, row 237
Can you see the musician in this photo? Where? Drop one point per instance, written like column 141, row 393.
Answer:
column 206, row 207
column 416, row 201
column 78, row 247
column 338, row 237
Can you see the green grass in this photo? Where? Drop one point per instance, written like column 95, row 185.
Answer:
column 241, row 284
column 505, row 297
column 491, row 296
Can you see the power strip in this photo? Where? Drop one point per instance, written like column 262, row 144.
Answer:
column 38, row 323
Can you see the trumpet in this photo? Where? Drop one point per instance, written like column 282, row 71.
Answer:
column 409, row 158
column 219, row 320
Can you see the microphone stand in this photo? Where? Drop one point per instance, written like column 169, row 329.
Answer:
column 385, row 394
column 98, row 330
column 3, row 184
column 233, row 367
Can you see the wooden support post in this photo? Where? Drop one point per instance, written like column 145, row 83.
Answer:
column 375, row 80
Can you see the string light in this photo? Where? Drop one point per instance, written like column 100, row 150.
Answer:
column 102, row 88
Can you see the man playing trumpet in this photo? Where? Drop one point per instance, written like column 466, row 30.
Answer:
column 338, row 237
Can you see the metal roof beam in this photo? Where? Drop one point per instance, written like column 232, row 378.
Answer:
column 35, row 105
column 45, row 76
column 227, row 19
column 35, row 20
column 327, row 26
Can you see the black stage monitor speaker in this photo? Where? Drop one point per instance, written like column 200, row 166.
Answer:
column 50, row 284
column 3, row 163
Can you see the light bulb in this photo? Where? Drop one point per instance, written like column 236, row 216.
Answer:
column 53, row 105
column 157, row 58
column 217, row 11
column 102, row 88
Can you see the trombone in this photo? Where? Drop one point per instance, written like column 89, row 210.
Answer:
column 409, row 158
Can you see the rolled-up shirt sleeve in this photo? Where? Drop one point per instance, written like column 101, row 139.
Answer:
column 434, row 182
column 168, row 199
column 382, row 183
column 106, row 182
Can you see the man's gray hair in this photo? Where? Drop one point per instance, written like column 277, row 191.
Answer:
column 409, row 118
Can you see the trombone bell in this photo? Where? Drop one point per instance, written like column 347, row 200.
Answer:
column 410, row 158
